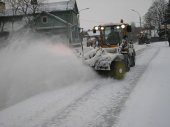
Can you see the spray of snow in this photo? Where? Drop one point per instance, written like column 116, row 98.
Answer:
column 31, row 64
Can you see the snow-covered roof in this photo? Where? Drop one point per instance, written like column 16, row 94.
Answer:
column 113, row 24
column 90, row 33
column 59, row 5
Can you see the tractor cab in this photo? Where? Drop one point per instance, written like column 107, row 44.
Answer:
column 111, row 35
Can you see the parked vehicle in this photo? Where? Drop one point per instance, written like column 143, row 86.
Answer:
column 144, row 38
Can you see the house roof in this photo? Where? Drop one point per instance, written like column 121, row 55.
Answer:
column 90, row 33
column 113, row 24
column 59, row 5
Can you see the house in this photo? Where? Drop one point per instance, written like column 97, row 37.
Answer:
column 61, row 17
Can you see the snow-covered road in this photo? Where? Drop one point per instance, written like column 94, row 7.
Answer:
column 149, row 103
column 94, row 102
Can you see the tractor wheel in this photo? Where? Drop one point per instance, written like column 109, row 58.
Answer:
column 118, row 70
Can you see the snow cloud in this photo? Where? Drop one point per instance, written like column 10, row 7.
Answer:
column 32, row 64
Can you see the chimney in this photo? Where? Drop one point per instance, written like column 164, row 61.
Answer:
column 2, row 6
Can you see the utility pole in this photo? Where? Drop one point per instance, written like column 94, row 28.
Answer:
column 82, row 31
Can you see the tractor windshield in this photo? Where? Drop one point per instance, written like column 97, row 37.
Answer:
column 111, row 35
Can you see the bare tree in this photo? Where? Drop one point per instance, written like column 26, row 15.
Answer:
column 2, row 24
column 156, row 14
column 149, row 22
column 135, row 31
column 14, row 6
column 27, row 8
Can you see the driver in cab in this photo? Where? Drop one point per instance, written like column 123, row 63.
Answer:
column 113, row 37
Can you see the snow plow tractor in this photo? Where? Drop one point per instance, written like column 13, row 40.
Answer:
column 114, row 53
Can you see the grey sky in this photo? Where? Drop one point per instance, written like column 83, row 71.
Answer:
column 106, row 11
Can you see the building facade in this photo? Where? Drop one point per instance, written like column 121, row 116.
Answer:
column 61, row 17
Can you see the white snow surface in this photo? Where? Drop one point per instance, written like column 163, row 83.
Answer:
column 84, row 99
column 149, row 103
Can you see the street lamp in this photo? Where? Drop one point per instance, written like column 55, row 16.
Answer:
column 84, row 9
column 138, row 15
column 80, row 11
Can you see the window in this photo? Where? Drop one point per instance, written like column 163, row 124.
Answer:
column 112, row 36
column 44, row 19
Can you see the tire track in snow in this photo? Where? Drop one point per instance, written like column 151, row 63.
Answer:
column 110, row 116
column 56, row 107
column 61, row 116
column 114, row 92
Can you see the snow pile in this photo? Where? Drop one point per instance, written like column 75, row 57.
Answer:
column 32, row 64
column 92, row 56
column 101, row 58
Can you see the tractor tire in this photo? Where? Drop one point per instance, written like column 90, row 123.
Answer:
column 118, row 70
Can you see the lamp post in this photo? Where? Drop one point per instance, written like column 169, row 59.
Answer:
column 138, row 15
column 84, row 9
column 79, row 13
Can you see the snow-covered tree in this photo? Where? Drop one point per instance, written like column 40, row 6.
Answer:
column 156, row 14
column 167, row 14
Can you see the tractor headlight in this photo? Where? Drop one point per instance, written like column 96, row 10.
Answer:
column 96, row 28
column 102, row 28
column 118, row 27
column 122, row 26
